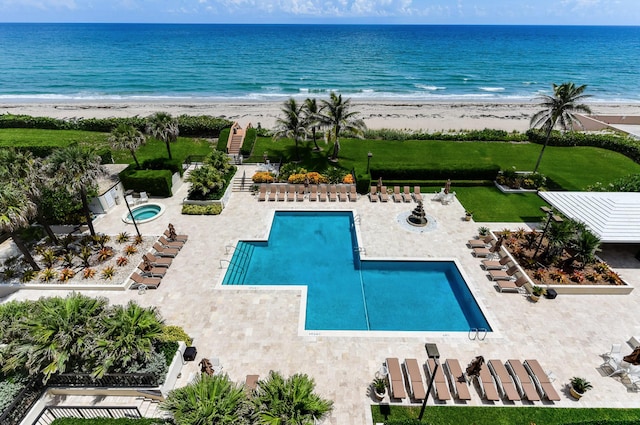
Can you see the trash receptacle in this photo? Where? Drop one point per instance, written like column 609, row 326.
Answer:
column 190, row 354
column 551, row 294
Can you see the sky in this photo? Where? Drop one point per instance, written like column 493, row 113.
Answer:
column 484, row 12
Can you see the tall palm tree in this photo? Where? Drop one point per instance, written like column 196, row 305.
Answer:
column 16, row 211
column 26, row 170
column 127, row 137
column 163, row 127
column 292, row 124
column 207, row 401
column 127, row 334
column 77, row 169
column 559, row 109
column 290, row 401
column 312, row 118
column 338, row 117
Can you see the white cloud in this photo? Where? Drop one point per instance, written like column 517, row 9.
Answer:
column 41, row 4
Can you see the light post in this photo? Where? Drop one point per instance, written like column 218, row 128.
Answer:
column 133, row 219
column 369, row 155
column 550, row 215
column 432, row 353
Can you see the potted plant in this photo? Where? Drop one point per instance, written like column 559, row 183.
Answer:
column 536, row 293
column 379, row 387
column 468, row 215
column 578, row 386
column 483, row 231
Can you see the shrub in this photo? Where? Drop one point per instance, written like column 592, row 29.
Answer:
column 88, row 273
column 157, row 182
column 138, row 240
column 108, row 273
column 48, row 274
column 213, row 209
column 401, row 172
column 249, row 141
column 175, row 333
column 348, row 179
column 104, row 254
column 168, row 350
column 122, row 237
column 28, row 275
column 263, row 177
column 122, row 261
column 66, row 274
column 130, row 250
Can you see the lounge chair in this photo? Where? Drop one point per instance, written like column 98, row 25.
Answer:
column 251, row 382
column 480, row 243
column 384, row 196
column 323, row 193
column 396, row 381
column 176, row 238
column 262, row 192
column 440, row 382
column 342, row 193
column 509, row 285
column 397, row 197
column 508, row 274
column 417, row 196
column 281, row 194
column 313, row 195
column 459, row 386
column 448, row 198
column 353, row 194
column 522, row 380
column 273, row 191
column 503, row 380
column 170, row 244
column 130, row 200
column 541, row 379
column 152, row 271
column 439, row 195
column 415, row 379
column 483, row 252
column 406, row 194
column 157, row 261
column 300, row 193
column 291, row 192
column 373, row 194
column 496, row 264
column 146, row 282
column 333, row 194
column 161, row 251
column 143, row 198
column 487, row 384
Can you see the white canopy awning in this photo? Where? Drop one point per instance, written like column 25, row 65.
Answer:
column 613, row 216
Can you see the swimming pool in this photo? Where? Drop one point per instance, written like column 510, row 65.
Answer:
column 144, row 213
column 320, row 250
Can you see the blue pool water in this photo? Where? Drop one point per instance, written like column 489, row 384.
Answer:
column 319, row 250
column 145, row 212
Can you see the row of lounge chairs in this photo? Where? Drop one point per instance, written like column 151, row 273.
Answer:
column 155, row 264
column 397, row 196
column 321, row 192
column 510, row 381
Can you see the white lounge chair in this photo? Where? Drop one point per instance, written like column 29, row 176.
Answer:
column 130, row 200
column 143, row 198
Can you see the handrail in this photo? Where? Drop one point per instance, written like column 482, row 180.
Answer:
column 473, row 333
column 484, row 333
column 477, row 333
column 223, row 259
column 79, row 412
column 226, row 248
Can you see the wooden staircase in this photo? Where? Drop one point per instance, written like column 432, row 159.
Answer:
column 236, row 139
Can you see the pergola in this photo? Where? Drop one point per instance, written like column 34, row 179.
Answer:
column 613, row 216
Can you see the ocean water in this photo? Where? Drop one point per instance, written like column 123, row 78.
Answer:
column 273, row 62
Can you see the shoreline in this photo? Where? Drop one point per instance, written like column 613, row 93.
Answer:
column 377, row 114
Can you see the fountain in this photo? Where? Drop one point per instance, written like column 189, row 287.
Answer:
column 417, row 217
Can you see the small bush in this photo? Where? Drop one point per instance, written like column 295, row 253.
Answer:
column 108, row 273
column 175, row 334
column 214, row 209
column 263, row 177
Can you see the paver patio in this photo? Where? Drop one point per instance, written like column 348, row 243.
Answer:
column 253, row 331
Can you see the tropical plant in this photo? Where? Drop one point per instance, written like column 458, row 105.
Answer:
column 108, row 272
column 218, row 160
column 67, row 258
column 48, row 274
column 290, row 401
column 49, row 257
column 101, row 240
column 312, row 112
column 580, row 385
column 379, row 385
column 130, row 249
column 128, row 334
column 172, row 333
column 585, row 247
column 122, row 237
column 77, row 169
column 559, row 109
column 127, row 137
column 88, row 273
column 137, row 240
column 16, row 210
column 292, row 124
column 337, row 116
column 105, row 254
column 204, row 180
column 122, row 261
column 537, row 290
column 163, row 127
column 28, row 275
column 85, row 255
column 483, row 231
column 209, row 400
column 66, row 274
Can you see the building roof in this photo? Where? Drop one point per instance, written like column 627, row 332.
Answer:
column 613, row 216
column 111, row 177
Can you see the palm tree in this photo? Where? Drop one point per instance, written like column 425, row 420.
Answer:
column 585, row 247
column 204, row 180
column 127, row 137
column 559, row 109
column 292, row 125
column 290, row 401
column 312, row 118
column 57, row 336
column 16, row 211
column 338, row 117
column 218, row 160
column 127, row 335
column 163, row 127
column 207, row 401
column 76, row 169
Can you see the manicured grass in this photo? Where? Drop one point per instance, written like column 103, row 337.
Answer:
column 489, row 204
column 180, row 150
column 452, row 415
column 35, row 137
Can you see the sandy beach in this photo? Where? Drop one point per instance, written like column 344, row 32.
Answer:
column 432, row 116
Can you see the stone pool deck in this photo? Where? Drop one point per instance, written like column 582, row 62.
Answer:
column 253, row 331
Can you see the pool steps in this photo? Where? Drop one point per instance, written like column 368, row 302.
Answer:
column 238, row 264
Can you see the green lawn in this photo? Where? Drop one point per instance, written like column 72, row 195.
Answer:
column 454, row 415
column 180, row 150
column 36, row 137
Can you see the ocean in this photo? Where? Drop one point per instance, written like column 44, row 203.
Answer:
column 138, row 62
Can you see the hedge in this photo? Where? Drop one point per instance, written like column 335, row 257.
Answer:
column 622, row 144
column 173, row 165
column 223, row 139
column 249, row 141
column 401, row 172
column 486, row 135
column 154, row 182
column 213, row 209
column 189, row 125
